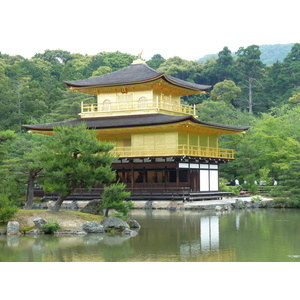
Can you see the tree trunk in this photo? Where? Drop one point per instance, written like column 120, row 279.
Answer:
column 59, row 202
column 106, row 212
column 30, row 192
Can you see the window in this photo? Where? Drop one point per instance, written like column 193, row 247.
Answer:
column 142, row 103
column 183, row 176
column 106, row 105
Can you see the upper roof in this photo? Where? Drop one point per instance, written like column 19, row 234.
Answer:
column 133, row 121
column 136, row 73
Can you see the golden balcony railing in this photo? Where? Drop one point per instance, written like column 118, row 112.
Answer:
column 132, row 105
column 181, row 150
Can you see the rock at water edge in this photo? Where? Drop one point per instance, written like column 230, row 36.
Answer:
column 114, row 223
column 39, row 222
column 133, row 223
column 12, row 228
column 92, row 227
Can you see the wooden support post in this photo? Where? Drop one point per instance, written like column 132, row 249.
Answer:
column 132, row 177
column 177, row 177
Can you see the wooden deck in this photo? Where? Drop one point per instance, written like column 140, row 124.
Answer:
column 164, row 194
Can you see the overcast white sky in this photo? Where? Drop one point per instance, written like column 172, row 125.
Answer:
column 189, row 29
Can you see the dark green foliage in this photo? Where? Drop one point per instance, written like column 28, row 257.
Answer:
column 155, row 61
column 74, row 158
column 289, row 184
column 51, row 226
column 8, row 208
column 9, row 186
column 114, row 197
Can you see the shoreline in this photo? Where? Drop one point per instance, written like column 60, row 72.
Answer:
column 220, row 204
column 225, row 203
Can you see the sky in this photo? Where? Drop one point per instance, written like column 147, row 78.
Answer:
column 189, row 29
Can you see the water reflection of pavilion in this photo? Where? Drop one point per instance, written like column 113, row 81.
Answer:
column 207, row 248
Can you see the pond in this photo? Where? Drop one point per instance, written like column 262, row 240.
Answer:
column 262, row 235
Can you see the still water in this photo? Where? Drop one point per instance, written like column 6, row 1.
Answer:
column 262, row 235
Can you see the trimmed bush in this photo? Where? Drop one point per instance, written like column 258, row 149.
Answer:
column 51, row 226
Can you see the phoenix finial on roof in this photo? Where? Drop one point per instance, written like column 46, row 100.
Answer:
column 140, row 55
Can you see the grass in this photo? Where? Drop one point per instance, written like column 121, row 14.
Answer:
column 87, row 217
column 67, row 219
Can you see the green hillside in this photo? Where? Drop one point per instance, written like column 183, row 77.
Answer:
column 269, row 53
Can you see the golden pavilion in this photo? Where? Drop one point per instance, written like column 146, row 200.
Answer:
column 164, row 151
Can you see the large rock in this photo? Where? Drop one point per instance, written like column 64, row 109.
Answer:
column 92, row 207
column 113, row 223
column 218, row 208
column 12, row 228
column 92, row 227
column 239, row 204
column 133, row 223
column 39, row 222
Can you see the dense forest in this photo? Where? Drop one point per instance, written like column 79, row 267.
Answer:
column 245, row 91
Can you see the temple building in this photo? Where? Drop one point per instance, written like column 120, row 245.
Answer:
column 163, row 150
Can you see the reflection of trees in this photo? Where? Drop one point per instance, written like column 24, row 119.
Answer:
column 116, row 248
column 263, row 234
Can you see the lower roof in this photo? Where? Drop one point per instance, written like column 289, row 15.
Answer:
column 130, row 121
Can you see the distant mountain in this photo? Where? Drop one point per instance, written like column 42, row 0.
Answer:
column 272, row 53
column 269, row 53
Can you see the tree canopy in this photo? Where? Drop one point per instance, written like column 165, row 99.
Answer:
column 74, row 158
column 245, row 91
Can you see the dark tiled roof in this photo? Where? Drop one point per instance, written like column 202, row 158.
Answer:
column 130, row 121
column 134, row 74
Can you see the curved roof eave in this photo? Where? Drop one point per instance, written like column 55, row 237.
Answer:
column 134, row 74
column 133, row 121
column 112, row 84
column 169, row 79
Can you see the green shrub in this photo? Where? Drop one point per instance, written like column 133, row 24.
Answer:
column 253, row 188
column 257, row 198
column 7, row 209
column 114, row 197
column 51, row 226
column 224, row 187
column 275, row 192
column 235, row 190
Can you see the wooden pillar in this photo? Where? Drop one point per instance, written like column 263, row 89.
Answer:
column 166, row 178
column 144, row 177
column 132, row 177
column 177, row 176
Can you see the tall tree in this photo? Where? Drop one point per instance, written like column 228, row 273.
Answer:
column 294, row 54
column 155, row 61
column 289, row 184
column 224, row 65
column 9, row 188
column 75, row 159
column 250, row 68
column 226, row 91
column 114, row 197
column 180, row 68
